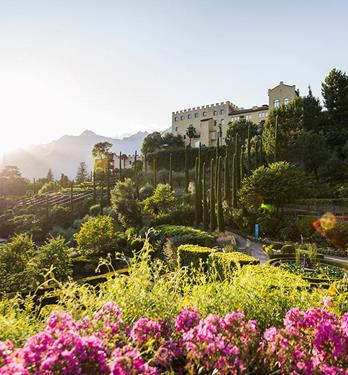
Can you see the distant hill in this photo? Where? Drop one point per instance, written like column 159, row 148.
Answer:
column 65, row 154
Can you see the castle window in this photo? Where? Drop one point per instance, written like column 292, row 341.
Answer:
column 189, row 115
column 215, row 113
column 276, row 103
column 286, row 101
column 204, row 114
column 222, row 111
column 196, row 114
column 248, row 117
column 181, row 117
column 176, row 118
column 176, row 129
column 262, row 114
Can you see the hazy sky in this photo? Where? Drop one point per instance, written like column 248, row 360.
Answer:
column 117, row 67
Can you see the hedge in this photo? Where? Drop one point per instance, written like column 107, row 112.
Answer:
column 193, row 255
column 185, row 234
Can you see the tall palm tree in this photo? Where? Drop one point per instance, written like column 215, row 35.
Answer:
column 191, row 132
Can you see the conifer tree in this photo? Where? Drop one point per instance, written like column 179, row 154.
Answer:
column 234, row 181
column 199, row 185
column 205, row 203
column 227, row 185
column 186, row 171
column 217, row 152
column 170, row 172
column 257, row 161
column 276, row 140
column 102, row 199
column 237, row 153
column 120, row 165
column 212, row 197
column 196, row 193
column 249, row 150
column 241, row 161
column 220, row 216
column 154, row 171
column 72, row 198
column 94, row 189
column 136, row 174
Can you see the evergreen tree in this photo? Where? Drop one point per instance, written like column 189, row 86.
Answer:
column 72, row 198
column 249, row 150
column 154, row 171
column 186, row 171
column 234, row 181
column 199, row 185
column 82, row 173
column 94, row 189
column 220, row 215
column 170, row 172
column 237, row 153
column 217, row 152
column 276, row 139
column 227, row 185
column 212, row 197
column 196, row 193
column 120, row 165
column 49, row 176
column 241, row 163
column 205, row 203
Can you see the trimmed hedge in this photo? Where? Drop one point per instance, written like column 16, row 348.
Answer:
column 193, row 255
column 234, row 257
column 185, row 234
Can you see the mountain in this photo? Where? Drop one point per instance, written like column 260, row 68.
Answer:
column 65, row 154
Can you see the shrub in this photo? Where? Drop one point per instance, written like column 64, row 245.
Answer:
column 146, row 191
column 338, row 235
column 94, row 210
column 228, row 260
column 185, row 234
column 125, row 204
column 182, row 215
column 54, row 253
column 97, row 236
column 288, row 249
column 161, row 202
column 193, row 255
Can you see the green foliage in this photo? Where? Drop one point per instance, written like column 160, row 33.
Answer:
column 193, row 255
column 54, row 253
column 125, row 205
column 146, row 191
column 191, row 132
column 186, row 234
column 82, row 173
column 60, row 215
column 49, row 187
column 12, row 182
column 27, row 223
column 212, row 213
column 181, row 214
column 239, row 129
column 161, row 202
column 278, row 184
column 156, row 141
column 219, row 211
column 97, row 236
column 338, row 235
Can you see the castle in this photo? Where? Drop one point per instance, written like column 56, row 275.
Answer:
column 211, row 121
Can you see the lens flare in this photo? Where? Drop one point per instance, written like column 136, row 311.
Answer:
column 267, row 207
column 328, row 221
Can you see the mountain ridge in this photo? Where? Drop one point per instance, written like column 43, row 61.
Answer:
column 64, row 154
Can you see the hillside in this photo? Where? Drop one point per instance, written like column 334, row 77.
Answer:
column 65, row 154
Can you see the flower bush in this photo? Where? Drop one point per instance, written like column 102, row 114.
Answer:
column 312, row 342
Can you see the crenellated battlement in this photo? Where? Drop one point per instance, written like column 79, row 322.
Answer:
column 207, row 106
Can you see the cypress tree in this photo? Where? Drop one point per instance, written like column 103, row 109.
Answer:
column 227, row 185
column 249, row 150
column 120, row 165
column 170, row 172
column 261, row 152
column 241, row 161
column 217, row 151
column 205, row 203
column 34, row 186
column 102, row 199
column 108, row 183
column 199, row 184
column 220, row 216
column 236, row 152
column 154, row 171
column 186, row 171
column 136, row 174
column 72, row 198
column 94, row 189
column 257, row 162
column 234, row 181
column 145, row 164
column 196, row 193
column 212, row 197
column 276, row 150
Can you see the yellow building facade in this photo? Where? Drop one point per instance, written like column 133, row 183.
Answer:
column 211, row 121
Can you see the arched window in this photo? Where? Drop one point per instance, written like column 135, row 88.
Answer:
column 286, row 101
column 276, row 103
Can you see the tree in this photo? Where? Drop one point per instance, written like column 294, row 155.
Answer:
column 55, row 253
column 101, row 150
column 125, row 205
column 97, row 236
column 191, row 132
column 161, row 202
column 82, row 173
column 276, row 185
column 219, row 211
column 212, row 219
column 170, row 140
column 335, row 94
column 12, row 182
column 240, row 128
column 49, row 176
column 151, row 143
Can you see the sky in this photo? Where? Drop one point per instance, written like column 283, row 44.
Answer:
column 118, row 67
